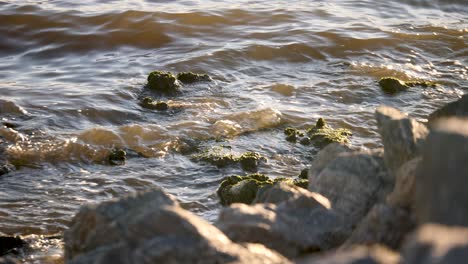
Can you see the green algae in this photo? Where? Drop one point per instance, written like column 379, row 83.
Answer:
column 320, row 135
column 222, row 156
column 163, row 82
column 117, row 157
column 190, row 77
column 243, row 189
column 149, row 103
column 392, row 85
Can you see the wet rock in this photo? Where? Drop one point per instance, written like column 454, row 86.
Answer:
column 405, row 185
column 6, row 168
column 297, row 226
column 352, row 181
column 249, row 161
column 117, row 157
column 320, row 135
column 163, row 82
column 11, row 245
column 402, row 136
column 222, row 156
column 384, row 224
column 279, row 192
column 458, row 108
column 190, row 77
column 9, row 107
column 152, row 228
column 375, row 254
column 243, row 189
column 441, row 195
column 304, row 174
column 149, row 103
column 437, row 244
column 393, row 85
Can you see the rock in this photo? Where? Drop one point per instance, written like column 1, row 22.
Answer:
column 384, row 224
column 6, row 168
column 249, row 161
column 297, row 226
column 9, row 107
column 458, row 108
column 405, row 185
column 441, row 195
column 163, row 82
column 222, row 156
column 393, row 85
column 243, row 189
column 353, row 182
column 402, row 136
column 151, row 227
column 437, row 244
column 320, row 135
column 10, row 245
column 117, row 157
column 324, row 157
column 277, row 193
column 149, row 103
column 190, row 77
column 375, row 254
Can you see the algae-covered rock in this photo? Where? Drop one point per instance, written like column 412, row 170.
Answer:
column 393, row 85
column 222, row 156
column 117, row 157
column 149, row 103
column 243, row 189
column 320, row 135
column 190, row 77
column 163, row 82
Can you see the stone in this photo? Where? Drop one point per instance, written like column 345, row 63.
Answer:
column 458, row 108
column 324, row 157
column 11, row 244
column 6, row 168
column 441, row 195
column 352, row 181
column 436, row 244
column 163, row 82
column 149, row 103
column 303, row 224
column 392, row 85
column 320, row 135
column 405, row 185
column 151, row 227
column 190, row 77
column 375, row 254
column 249, row 161
column 384, row 224
column 279, row 192
column 222, row 156
column 117, row 157
column 402, row 136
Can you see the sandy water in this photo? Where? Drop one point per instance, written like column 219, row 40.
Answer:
column 71, row 75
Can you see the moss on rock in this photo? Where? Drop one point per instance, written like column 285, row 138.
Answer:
column 149, row 103
column 190, row 77
column 243, row 189
column 320, row 135
column 163, row 82
column 392, row 85
column 249, row 160
column 222, row 156
column 117, row 157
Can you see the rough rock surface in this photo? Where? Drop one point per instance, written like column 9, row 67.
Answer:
column 325, row 156
column 458, row 108
column 383, row 224
column 152, row 228
column 441, row 195
column 279, row 192
column 163, row 82
column 437, row 244
column 298, row 225
column 353, row 182
column 375, row 254
column 405, row 184
column 402, row 136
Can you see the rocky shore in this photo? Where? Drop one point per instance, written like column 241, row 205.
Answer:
column 405, row 203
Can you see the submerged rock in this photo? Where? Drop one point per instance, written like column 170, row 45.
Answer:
column 149, row 228
column 117, row 157
column 321, row 134
column 437, row 244
column 392, row 85
column 6, row 168
column 163, row 82
column 402, row 136
column 375, row 254
column 190, row 77
column 458, row 108
column 149, row 103
column 10, row 245
column 222, row 156
column 441, row 180
column 302, row 224
column 243, row 189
